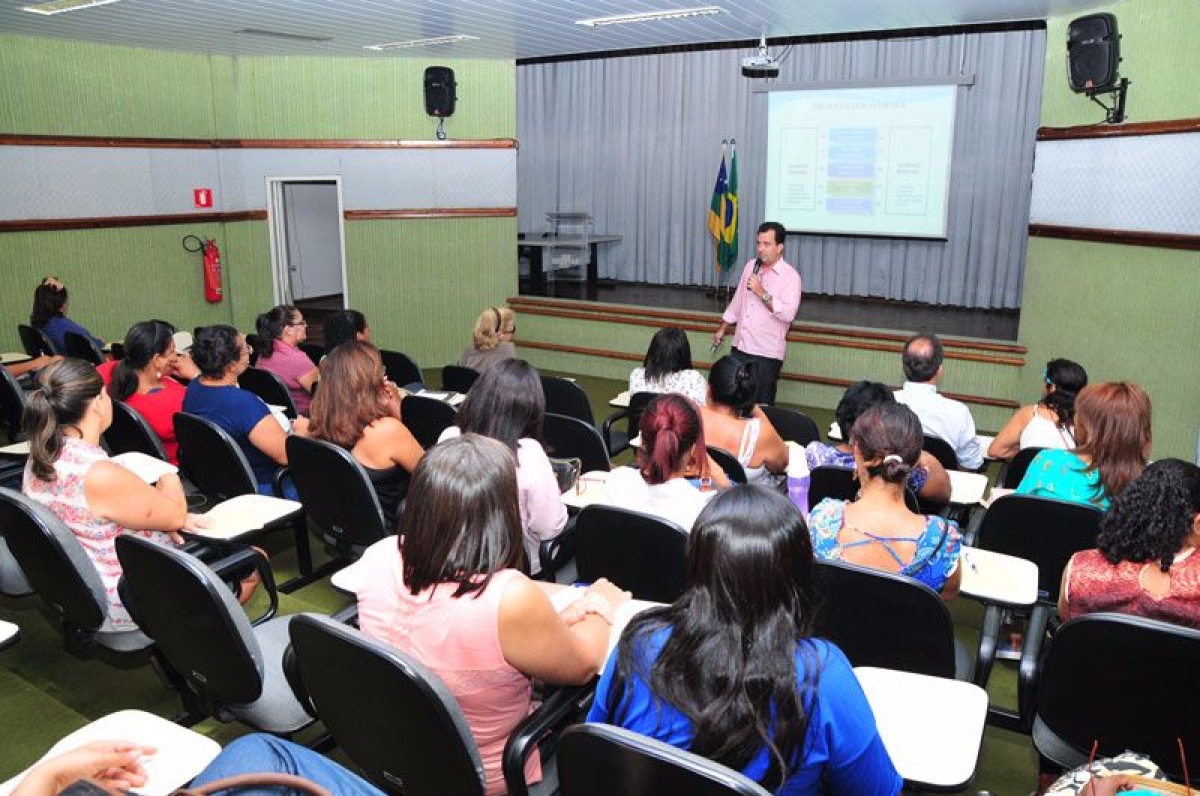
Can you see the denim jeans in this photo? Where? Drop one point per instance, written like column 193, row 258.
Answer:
column 261, row 753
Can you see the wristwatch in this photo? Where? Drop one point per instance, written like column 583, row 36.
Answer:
column 766, row 297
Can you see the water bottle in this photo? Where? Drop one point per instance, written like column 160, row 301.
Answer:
column 798, row 481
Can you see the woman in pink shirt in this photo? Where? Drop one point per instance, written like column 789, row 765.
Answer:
column 280, row 333
column 449, row 592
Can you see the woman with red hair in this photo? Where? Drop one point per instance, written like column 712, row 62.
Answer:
column 675, row 477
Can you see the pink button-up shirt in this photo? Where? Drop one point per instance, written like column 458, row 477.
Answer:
column 759, row 330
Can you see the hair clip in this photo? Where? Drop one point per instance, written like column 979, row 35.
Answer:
column 893, row 457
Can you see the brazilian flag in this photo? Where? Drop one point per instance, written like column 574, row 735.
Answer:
column 723, row 215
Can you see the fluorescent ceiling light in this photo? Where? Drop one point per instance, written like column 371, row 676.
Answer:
column 400, row 45
column 61, row 6
column 651, row 16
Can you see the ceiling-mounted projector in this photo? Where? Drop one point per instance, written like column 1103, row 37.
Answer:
column 761, row 65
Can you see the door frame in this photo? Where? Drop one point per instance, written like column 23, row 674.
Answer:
column 277, row 231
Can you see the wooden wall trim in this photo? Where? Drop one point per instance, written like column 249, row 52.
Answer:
column 58, row 224
column 1162, row 240
column 14, row 139
column 970, row 351
column 807, row 378
column 431, row 212
column 1163, row 127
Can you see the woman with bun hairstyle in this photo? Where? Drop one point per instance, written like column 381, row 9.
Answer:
column 280, row 333
column 734, row 423
column 1049, row 423
column 491, row 339
column 877, row 530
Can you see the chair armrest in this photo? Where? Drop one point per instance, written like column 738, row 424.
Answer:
column 277, row 481
column 989, row 636
column 291, row 673
column 233, row 563
column 1030, row 665
column 550, row 551
column 606, row 430
column 563, row 707
column 347, row 616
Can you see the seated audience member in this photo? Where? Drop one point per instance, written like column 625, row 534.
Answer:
column 344, row 326
column 359, row 410
column 731, row 671
column 221, row 354
column 1049, row 423
column 49, row 314
column 1145, row 563
column 940, row 416
column 734, row 423
column 144, row 379
column 70, row 474
column 450, row 592
column 280, row 333
column 1112, row 429
column 928, row 479
column 491, row 339
column 878, row 530
column 668, row 367
column 508, row 405
column 19, row 369
column 672, row 463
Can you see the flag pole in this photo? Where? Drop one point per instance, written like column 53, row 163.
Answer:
column 719, row 277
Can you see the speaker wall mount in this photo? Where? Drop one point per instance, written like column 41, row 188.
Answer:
column 1093, row 57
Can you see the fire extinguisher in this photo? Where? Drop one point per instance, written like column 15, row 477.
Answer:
column 212, row 266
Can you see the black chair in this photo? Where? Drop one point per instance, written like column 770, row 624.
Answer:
column 269, row 387
column 12, row 404
column 315, row 351
column 216, row 465
column 885, row 619
column 116, row 351
column 568, row 437
column 644, row 554
column 599, row 759
column 337, row 495
column 618, row 439
column 130, row 432
column 1014, row 469
column 35, row 342
column 1123, row 682
column 400, row 368
column 232, row 665
column 942, row 451
column 729, row 463
column 426, row 418
column 839, row 483
column 792, row 425
column 565, row 397
column 78, row 346
column 456, row 378
column 397, row 720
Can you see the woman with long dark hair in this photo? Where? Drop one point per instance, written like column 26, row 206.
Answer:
column 49, row 313
column 734, row 422
column 280, row 333
column 668, row 367
column 358, row 409
column 730, row 670
column 1049, row 423
column 507, row 404
column 346, row 326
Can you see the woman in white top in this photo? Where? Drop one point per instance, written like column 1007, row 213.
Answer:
column 507, row 404
column 734, row 423
column 675, row 478
column 668, row 368
column 1049, row 423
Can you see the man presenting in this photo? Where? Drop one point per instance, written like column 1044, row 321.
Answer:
column 763, row 307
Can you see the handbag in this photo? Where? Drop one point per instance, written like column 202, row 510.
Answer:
column 291, row 782
column 567, row 472
column 1136, row 769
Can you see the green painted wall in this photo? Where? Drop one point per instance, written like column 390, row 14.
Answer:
column 1124, row 312
column 54, row 87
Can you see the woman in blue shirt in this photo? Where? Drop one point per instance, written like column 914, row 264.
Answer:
column 730, row 670
column 49, row 314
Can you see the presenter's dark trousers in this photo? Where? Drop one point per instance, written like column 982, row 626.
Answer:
column 766, row 374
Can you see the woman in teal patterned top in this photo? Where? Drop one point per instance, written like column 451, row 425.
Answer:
column 1112, row 429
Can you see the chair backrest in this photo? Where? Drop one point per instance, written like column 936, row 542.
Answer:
column 942, row 451
column 638, row 402
column 1042, row 530
column 884, row 619
column 600, row 759
column 568, row 437
column 336, row 492
column 314, row 351
column 35, row 341
column 1124, row 682
column 792, row 425
column 211, row 459
column 565, row 397
column 130, row 432
column 642, row 553
column 1014, row 470
column 392, row 716
column 79, row 346
column 729, row 463
column 193, row 618
column 426, row 418
column 839, row 483
column 400, row 368
column 12, row 404
column 458, row 378
column 269, row 387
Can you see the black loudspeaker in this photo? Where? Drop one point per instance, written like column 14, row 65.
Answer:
column 1093, row 52
column 439, row 91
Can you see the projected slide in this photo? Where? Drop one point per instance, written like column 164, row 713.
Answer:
column 861, row 161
